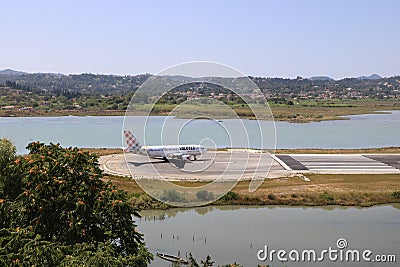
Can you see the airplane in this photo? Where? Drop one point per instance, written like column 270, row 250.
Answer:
column 176, row 154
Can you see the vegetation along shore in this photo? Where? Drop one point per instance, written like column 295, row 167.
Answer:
column 322, row 189
column 294, row 100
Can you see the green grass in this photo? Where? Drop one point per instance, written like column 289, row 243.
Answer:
column 334, row 189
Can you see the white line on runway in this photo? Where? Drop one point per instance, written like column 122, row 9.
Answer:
column 341, row 162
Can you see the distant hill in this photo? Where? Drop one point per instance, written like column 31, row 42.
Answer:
column 320, row 78
column 370, row 77
column 11, row 72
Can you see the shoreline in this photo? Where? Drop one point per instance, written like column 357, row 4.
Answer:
column 350, row 190
column 296, row 114
column 236, row 207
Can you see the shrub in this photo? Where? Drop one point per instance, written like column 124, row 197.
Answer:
column 231, row 196
column 172, row 195
column 205, row 195
column 326, row 196
column 396, row 194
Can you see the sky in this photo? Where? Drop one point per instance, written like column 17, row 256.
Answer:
column 270, row 38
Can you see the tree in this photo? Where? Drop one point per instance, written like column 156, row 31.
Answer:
column 8, row 181
column 204, row 195
column 7, row 152
column 65, row 211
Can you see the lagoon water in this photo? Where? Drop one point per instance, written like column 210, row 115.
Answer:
column 360, row 131
column 232, row 233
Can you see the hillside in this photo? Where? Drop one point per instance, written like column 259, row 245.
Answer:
column 370, row 77
column 88, row 92
column 11, row 72
column 320, row 78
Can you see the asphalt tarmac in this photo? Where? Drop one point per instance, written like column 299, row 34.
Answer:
column 246, row 164
column 211, row 166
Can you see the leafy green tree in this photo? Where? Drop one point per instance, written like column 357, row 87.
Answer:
column 204, row 195
column 8, row 181
column 172, row 195
column 7, row 152
column 65, row 211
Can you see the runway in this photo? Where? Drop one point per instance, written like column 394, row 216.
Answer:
column 245, row 165
column 342, row 163
column 211, row 166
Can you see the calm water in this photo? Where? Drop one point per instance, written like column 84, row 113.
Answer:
column 361, row 131
column 231, row 234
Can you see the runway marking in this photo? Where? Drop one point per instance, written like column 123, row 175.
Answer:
column 346, row 162
column 292, row 163
column 281, row 162
column 391, row 160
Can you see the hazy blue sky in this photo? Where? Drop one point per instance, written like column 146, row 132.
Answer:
column 338, row 38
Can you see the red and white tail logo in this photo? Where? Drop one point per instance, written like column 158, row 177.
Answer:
column 131, row 141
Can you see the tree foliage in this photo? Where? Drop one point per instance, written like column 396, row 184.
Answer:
column 7, row 152
column 7, row 155
column 204, row 195
column 63, row 214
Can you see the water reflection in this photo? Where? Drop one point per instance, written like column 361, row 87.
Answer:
column 237, row 233
column 171, row 213
column 360, row 131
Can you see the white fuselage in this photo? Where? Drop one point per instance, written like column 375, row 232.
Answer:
column 172, row 150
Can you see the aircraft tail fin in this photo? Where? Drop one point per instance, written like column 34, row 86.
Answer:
column 132, row 142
